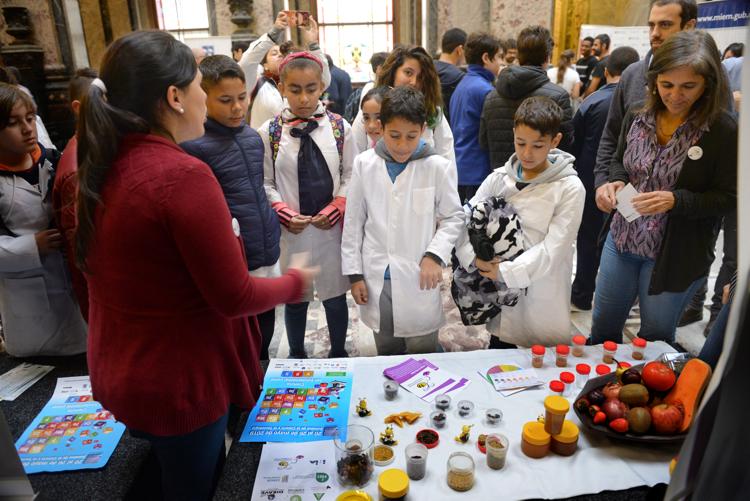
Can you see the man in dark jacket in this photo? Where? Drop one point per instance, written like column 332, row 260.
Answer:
column 588, row 124
column 340, row 88
column 515, row 84
column 451, row 57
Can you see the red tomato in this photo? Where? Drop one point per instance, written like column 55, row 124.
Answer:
column 620, row 425
column 657, row 376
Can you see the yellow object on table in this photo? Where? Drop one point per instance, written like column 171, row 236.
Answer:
column 354, row 496
column 393, row 483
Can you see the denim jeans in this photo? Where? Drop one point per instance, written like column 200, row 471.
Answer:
column 337, row 316
column 623, row 277
column 190, row 464
column 714, row 344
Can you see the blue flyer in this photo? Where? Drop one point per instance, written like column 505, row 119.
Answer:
column 72, row 432
column 302, row 401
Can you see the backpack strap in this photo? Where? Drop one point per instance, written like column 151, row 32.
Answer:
column 260, row 83
column 337, row 124
column 274, row 136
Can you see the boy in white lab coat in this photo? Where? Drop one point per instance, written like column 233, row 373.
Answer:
column 542, row 185
column 402, row 220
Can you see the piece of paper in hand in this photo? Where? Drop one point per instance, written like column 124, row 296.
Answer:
column 625, row 203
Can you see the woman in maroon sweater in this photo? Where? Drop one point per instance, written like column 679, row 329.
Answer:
column 170, row 344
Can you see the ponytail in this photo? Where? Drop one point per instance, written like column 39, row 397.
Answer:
column 562, row 65
column 136, row 72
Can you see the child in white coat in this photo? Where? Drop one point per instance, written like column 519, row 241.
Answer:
column 402, row 221
column 307, row 166
column 39, row 312
column 540, row 182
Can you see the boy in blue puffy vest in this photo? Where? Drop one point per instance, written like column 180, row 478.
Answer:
column 234, row 152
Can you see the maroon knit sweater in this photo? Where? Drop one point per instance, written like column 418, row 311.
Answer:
column 170, row 343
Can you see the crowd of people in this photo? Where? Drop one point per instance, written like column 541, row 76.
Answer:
column 196, row 198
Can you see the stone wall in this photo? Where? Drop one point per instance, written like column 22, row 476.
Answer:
column 43, row 25
column 509, row 17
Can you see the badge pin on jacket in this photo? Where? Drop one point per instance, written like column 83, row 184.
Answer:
column 236, row 227
column 695, row 153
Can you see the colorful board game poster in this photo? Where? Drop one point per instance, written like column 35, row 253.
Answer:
column 72, row 432
column 302, row 401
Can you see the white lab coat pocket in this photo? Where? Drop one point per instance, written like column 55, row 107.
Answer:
column 25, row 297
column 415, row 311
column 535, row 215
column 423, row 201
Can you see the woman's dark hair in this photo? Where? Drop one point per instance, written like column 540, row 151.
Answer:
column 215, row 68
column 566, row 59
column 541, row 114
column 736, row 49
column 10, row 95
column 478, row 44
column 697, row 50
column 534, row 46
column 377, row 60
column 429, row 82
column 403, row 102
column 137, row 70
column 376, row 93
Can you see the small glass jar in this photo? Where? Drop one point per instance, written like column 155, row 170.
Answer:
column 565, row 443
column 493, row 416
column 561, row 355
column 460, row 471
column 639, row 347
column 393, row 485
column 465, row 408
column 583, row 371
column 497, row 450
column 609, row 349
column 390, row 388
column 602, row 370
column 438, row 418
column 579, row 342
column 354, row 457
column 383, row 455
column 416, row 461
column 537, row 356
column 535, row 442
column 568, row 379
column 443, row 402
column 555, row 410
column 556, row 388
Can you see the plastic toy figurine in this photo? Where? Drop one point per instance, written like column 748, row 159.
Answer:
column 362, row 409
column 464, row 436
column 386, row 438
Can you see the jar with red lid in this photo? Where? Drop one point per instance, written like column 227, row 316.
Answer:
column 567, row 378
column 579, row 342
column 537, row 356
column 602, row 370
column 639, row 347
column 556, row 388
column 561, row 355
column 610, row 348
column 582, row 374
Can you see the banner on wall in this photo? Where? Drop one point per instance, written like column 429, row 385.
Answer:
column 723, row 14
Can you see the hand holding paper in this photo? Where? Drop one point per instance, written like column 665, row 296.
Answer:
column 625, row 203
column 654, row 202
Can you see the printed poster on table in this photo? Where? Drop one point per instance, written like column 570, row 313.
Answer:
column 72, row 432
column 304, row 472
column 302, row 401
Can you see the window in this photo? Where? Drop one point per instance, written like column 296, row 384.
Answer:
column 183, row 17
column 350, row 31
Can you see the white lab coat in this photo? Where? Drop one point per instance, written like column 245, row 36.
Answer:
column 550, row 214
column 441, row 138
column 324, row 246
column 393, row 224
column 268, row 102
column 39, row 312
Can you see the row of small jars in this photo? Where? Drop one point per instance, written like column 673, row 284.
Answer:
column 563, row 350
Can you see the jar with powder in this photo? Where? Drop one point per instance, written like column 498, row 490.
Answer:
column 460, row 471
column 561, row 355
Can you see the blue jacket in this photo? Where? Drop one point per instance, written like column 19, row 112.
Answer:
column 588, row 125
column 465, row 111
column 235, row 156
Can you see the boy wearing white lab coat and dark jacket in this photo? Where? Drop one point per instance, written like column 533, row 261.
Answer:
column 402, row 221
column 541, row 183
column 40, row 314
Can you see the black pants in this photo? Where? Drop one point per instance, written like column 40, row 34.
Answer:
column 467, row 192
column 497, row 344
column 267, row 324
column 727, row 270
column 587, row 253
